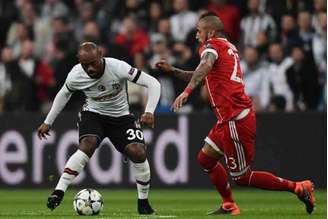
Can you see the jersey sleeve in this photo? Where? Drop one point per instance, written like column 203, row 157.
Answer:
column 209, row 47
column 128, row 72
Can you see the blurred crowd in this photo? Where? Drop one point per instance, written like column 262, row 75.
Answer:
column 282, row 45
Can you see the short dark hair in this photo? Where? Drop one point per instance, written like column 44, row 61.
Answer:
column 87, row 46
column 213, row 20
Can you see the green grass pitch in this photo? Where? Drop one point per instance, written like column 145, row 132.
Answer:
column 173, row 203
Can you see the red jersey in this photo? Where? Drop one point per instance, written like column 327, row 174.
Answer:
column 224, row 81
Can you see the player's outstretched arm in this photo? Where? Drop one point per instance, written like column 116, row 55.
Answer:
column 154, row 92
column 179, row 73
column 58, row 105
column 205, row 65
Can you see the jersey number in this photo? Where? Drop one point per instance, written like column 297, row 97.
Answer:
column 231, row 162
column 134, row 134
column 234, row 76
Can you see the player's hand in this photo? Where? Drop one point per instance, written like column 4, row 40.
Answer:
column 179, row 101
column 43, row 131
column 164, row 66
column 147, row 120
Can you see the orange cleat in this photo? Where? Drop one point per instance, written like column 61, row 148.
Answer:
column 227, row 208
column 305, row 192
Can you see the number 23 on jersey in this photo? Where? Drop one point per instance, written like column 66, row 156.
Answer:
column 234, row 75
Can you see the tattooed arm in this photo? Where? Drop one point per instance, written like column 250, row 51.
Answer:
column 206, row 62
column 199, row 74
column 182, row 74
column 205, row 65
column 179, row 73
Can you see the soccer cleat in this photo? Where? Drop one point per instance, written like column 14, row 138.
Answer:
column 54, row 199
column 144, row 207
column 305, row 192
column 227, row 208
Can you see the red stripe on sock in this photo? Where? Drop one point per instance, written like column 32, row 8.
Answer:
column 71, row 172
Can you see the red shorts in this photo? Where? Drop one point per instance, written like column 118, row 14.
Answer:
column 235, row 139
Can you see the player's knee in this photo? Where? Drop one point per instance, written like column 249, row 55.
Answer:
column 206, row 162
column 88, row 145
column 242, row 180
column 136, row 152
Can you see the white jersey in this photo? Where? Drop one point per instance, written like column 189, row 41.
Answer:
column 106, row 95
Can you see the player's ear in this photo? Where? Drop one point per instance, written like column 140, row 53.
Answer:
column 211, row 34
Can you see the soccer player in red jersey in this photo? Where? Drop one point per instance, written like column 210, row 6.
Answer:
column 233, row 136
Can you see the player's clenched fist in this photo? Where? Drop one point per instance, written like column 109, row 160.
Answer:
column 164, row 66
column 43, row 130
column 147, row 120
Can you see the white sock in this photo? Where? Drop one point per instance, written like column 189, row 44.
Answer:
column 141, row 172
column 73, row 167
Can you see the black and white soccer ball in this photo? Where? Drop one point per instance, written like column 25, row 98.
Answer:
column 88, row 202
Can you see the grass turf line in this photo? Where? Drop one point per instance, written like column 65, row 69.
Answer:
column 30, row 204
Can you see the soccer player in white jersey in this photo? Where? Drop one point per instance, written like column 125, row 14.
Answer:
column 105, row 114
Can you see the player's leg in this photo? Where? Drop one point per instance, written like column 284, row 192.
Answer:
column 242, row 133
column 266, row 180
column 141, row 171
column 241, row 138
column 90, row 138
column 127, row 137
column 208, row 158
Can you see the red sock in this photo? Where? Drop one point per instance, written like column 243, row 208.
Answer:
column 266, row 180
column 218, row 175
column 219, row 178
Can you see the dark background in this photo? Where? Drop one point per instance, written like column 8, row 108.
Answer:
column 290, row 145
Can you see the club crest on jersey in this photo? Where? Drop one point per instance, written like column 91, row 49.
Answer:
column 116, row 86
column 101, row 88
